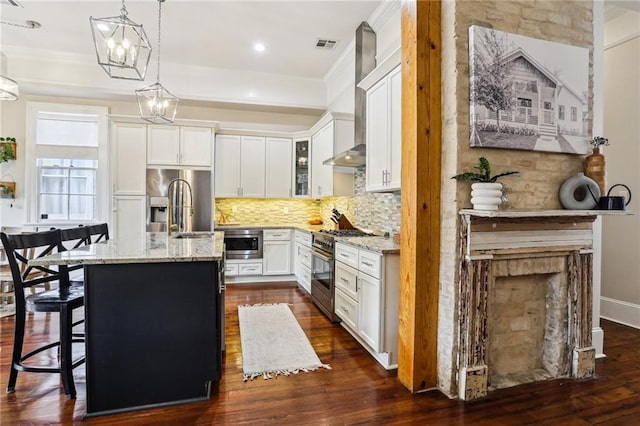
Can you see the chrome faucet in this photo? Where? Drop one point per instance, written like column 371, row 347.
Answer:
column 171, row 226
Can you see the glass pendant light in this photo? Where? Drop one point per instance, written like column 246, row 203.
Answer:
column 122, row 46
column 8, row 89
column 157, row 104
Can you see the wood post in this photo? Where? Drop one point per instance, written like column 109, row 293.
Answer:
column 420, row 199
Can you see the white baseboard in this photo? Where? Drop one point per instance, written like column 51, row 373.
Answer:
column 258, row 279
column 620, row 311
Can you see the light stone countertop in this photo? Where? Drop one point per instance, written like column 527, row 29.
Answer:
column 152, row 247
column 381, row 245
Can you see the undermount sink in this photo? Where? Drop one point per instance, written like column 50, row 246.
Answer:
column 203, row 234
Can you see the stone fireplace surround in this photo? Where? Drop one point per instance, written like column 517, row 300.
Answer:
column 516, row 252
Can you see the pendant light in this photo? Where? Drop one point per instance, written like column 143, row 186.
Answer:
column 122, row 46
column 157, row 104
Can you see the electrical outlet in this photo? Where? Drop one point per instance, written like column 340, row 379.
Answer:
column 286, row 209
column 234, row 209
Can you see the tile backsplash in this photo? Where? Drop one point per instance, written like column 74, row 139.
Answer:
column 375, row 211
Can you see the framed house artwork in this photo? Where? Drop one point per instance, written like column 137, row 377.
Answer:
column 527, row 93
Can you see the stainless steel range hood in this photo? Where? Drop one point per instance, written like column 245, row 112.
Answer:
column 365, row 63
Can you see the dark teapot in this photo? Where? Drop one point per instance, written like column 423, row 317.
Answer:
column 610, row 202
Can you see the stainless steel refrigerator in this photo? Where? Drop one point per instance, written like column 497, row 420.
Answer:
column 191, row 198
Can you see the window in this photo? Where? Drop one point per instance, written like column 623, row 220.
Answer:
column 547, row 106
column 523, row 102
column 561, row 112
column 66, row 158
column 67, row 189
column 574, row 114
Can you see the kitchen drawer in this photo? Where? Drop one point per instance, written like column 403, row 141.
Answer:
column 231, row 269
column 346, row 279
column 276, row 235
column 303, row 238
column 305, row 278
column 250, row 269
column 305, row 257
column 347, row 309
column 347, row 254
column 369, row 263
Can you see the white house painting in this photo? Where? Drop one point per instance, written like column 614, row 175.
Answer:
column 527, row 93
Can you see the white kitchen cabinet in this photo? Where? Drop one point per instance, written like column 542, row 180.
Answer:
column 276, row 252
column 278, row 168
column 240, row 166
column 384, row 133
column 129, row 217
column 252, row 168
column 302, row 259
column 163, row 145
column 227, row 166
column 301, row 168
column 179, row 146
column 128, row 158
column 196, row 146
column 326, row 180
column 367, row 299
column 369, row 312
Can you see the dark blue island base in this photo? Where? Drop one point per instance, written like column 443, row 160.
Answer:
column 153, row 334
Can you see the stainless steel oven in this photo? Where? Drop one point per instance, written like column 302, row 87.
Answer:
column 322, row 284
column 243, row 243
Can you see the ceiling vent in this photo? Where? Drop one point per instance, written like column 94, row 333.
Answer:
column 326, row 44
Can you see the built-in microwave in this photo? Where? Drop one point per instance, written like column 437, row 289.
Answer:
column 243, row 243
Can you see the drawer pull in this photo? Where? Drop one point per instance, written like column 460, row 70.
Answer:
column 346, row 311
column 344, row 280
column 368, row 264
column 346, row 256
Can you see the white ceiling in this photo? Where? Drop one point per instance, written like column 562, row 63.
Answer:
column 210, row 34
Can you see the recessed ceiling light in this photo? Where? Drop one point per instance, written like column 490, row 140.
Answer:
column 259, row 47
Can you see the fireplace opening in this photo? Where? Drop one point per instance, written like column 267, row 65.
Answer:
column 527, row 327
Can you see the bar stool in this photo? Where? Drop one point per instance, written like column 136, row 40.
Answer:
column 64, row 300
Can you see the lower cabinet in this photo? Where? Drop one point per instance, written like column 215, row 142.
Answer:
column 128, row 216
column 302, row 259
column 235, row 268
column 276, row 252
column 367, row 298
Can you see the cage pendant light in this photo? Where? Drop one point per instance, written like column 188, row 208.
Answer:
column 157, row 104
column 122, row 46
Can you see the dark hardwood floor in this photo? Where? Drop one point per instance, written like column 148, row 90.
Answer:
column 355, row 391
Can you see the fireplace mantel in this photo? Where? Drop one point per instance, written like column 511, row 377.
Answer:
column 519, row 242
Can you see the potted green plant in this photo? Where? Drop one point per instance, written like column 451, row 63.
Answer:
column 7, row 149
column 486, row 191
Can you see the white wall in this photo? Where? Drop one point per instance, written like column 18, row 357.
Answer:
column 621, row 235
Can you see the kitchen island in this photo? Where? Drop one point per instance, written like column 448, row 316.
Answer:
column 154, row 319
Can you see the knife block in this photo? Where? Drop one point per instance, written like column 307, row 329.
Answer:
column 344, row 223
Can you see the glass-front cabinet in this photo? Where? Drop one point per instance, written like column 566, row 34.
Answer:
column 301, row 167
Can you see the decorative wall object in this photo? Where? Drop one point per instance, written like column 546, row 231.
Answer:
column 527, row 93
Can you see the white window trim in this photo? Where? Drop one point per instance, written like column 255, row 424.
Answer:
column 31, row 169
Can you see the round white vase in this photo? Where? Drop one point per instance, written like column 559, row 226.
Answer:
column 486, row 195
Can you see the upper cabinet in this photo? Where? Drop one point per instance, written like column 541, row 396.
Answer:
column 384, row 127
column 384, row 133
column 128, row 158
column 326, row 180
column 179, row 146
column 278, row 168
column 240, row 166
column 301, row 168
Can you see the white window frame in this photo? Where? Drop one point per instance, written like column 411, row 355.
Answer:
column 31, row 167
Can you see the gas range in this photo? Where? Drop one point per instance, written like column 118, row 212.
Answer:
column 323, row 240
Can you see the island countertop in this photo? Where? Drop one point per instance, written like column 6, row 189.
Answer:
column 151, row 247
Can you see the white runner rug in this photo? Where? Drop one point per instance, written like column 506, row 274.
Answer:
column 273, row 342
